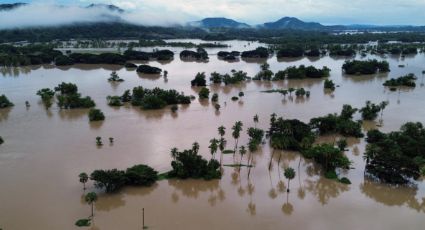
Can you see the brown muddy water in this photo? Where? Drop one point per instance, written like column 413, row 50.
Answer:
column 44, row 152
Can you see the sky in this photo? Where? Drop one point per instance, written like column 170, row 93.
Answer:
column 163, row 12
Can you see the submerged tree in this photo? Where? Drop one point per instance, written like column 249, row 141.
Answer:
column 213, row 147
column 83, row 179
column 91, row 198
column 237, row 128
column 289, row 175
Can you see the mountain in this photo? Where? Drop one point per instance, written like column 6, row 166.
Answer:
column 112, row 8
column 293, row 23
column 5, row 7
column 218, row 22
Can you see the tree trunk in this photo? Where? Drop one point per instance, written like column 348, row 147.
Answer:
column 288, row 186
column 92, row 212
column 271, row 159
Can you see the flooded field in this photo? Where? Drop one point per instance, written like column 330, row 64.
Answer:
column 44, row 151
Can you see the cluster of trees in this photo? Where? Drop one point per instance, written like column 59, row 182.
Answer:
column 228, row 56
column 27, row 55
column 113, row 180
column 4, row 102
column 300, row 92
column 160, row 55
column 88, row 58
column 68, row 97
column 260, row 52
column 96, row 115
column 371, row 110
column 302, row 71
column 151, row 98
column 338, row 50
column 406, row 80
column 342, row 124
column 291, row 52
column 147, row 69
column 189, row 164
column 199, row 80
column 115, row 78
column 365, row 67
column 234, row 78
column 329, row 84
column 200, row 54
column 397, row 49
column 396, row 157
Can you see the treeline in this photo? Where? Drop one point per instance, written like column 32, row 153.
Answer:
column 365, row 67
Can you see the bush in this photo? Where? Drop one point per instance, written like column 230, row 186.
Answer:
column 290, row 134
column 96, row 115
column 83, row 223
column 199, row 80
column 141, row 175
column 204, row 93
column 259, row 52
column 234, row 98
column 241, row 94
column 345, row 180
column 114, row 100
column 214, row 97
column 4, row 102
column 331, row 175
column 156, row 98
column 110, row 180
column 329, row 84
column 146, row 69
column 370, row 111
column 174, row 108
column 63, row 60
column 153, row 102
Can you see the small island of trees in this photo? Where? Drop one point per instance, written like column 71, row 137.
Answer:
column 365, row 67
column 260, row 52
column 407, row 80
column 147, row 69
column 199, row 55
column 68, row 97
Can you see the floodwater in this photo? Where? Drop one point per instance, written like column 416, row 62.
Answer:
column 44, row 151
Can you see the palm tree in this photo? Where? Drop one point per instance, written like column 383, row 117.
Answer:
column 222, row 131
column 284, row 92
column 83, row 179
column 174, row 152
column 289, row 174
column 213, row 146
column 276, row 143
column 382, row 106
column 237, row 128
column 195, row 147
column 290, row 91
column 90, row 198
column 242, row 152
column 221, row 146
column 255, row 120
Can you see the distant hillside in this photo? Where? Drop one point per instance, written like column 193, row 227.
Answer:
column 218, row 23
column 5, row 7
column 109, row 7
column 293, row 23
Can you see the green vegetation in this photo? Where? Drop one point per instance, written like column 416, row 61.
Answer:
column 115, row 78
column 189, row 164
column 147, row 69
column 1, row 140
column 96, row 115
column 236, row 77
column 155, row 98
column 114, row 100
column 259, row 52
column 302, row 71
column 200, row 54
column 370, row 111
column 290, row 134
column 329, row 84
column 83, row 223
column 4, row 102
column 341, row 124
column 214, row 97
column 46, row 95
column 407, row 80
column 114, row 179
column 365, row 67
column 289, row 175
column 91, row 198
column 204, row 93
column 69, row 98
column 27, row 55
column 160, row 55
column 290, row 52
column 329, row 157
column 83, row 179
column 398, row 156
column 199, row 80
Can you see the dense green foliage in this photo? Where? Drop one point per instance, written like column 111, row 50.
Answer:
column 4, row 102
column 160, row 55
column 113, row 180
column 236, row 77
column 114, row 100
column 365, row 67
column 147, row 69
column 328, row 156
column 199, row 80
column 204, row 93
column 370, row 111
column 259, row 52
column 396, row 157
column 341, row 124
column 96, row 115
column 69, row 98
column 407, row 80
column 329, row 84
column 156, row 98
column 290, row 52
column 290, row 134
column 189, row 164
column 27, row 55
column 83, row 223
column 115, row 78
column 200, row 54
column 302, row 71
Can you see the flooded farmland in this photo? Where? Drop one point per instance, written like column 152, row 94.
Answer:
column 45, row 150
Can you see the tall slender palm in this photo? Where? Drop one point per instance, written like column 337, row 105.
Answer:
column 289, row 174
column 213, row 147
column 382, row 106
column 222, row 131
column 255, row 120
column 83, row 179
column 221, row 145
column 276, row 143
column 90, row 198
column 174, row 152
column 242, row 151
column 237, row 128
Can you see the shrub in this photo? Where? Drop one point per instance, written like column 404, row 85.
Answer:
column 96, row 115
column 345, row 180
column 141, row 175
column 204, row 93
column 199, row 80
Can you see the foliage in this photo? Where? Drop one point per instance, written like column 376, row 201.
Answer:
column 115, row 78
column 4, row 102
column 200, row 54
column 328, row 156
column 96, row 115
column 407, row 80
column 329, row 84
column 46, row 95
column 141, row 175
column 214, row 97
column 204, row 93
column 345, row 180
column 396, row 157
column 365, row 67
column 83, row 223
column 114, row 100
column 290, row 134
column 342, row 124
column 199, row 80
column 189, row 164
column 110, row 180
column 302, row 71
column 370, row 111
column 147, row 69
column 156, row 98
column 69, row 98
column 260, row 52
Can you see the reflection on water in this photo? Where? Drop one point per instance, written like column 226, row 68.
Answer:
column 59, row 144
